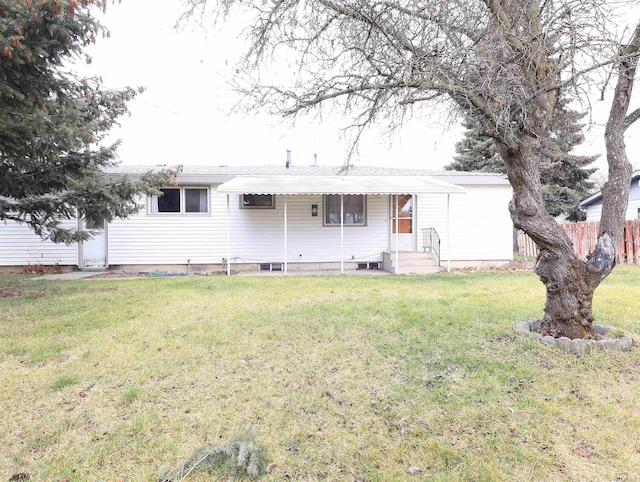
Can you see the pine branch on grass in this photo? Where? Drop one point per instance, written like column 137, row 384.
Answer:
column 239, row 456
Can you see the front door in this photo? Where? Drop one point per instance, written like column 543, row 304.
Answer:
column 94, row 251
column 401, row 220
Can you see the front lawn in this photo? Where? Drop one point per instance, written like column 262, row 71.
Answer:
column 341, row 378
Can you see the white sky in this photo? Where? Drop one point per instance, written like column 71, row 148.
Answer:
column 184, row 117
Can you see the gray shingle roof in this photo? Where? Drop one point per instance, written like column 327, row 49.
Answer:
column 228, row 172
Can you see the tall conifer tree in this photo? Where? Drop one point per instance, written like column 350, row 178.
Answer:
column 564, row 176
column 51, row 122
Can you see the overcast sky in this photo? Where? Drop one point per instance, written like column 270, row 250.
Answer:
column 184, row 117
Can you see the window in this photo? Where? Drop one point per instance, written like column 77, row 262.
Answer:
column 195, row 200
column 270, row 266
column 181, row 200
column 258, row 201
column 368, row 265
column 354, row 209
column 169, row 202
column 403, row 205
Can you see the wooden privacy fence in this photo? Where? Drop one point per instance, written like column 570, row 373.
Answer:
column 584, row 236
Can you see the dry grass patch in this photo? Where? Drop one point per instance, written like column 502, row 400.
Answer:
column 341, row 378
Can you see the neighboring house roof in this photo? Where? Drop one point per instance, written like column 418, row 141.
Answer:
column 225, row 173
column 594, row 198
column 294, row 184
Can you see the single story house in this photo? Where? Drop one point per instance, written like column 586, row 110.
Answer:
column 292, row 218
column 592, row 205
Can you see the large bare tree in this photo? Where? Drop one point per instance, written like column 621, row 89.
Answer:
column 504, row 63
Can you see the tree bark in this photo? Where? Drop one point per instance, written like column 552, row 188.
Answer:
column 570, row 282
column 615, row 192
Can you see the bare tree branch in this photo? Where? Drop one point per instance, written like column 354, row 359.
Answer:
column 630, row 119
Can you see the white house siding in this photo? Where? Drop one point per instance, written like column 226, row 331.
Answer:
column 165, row 239
column 19, row 246
column 594, row 211
column 632, row 209
column 257, row 235
column 481, row 228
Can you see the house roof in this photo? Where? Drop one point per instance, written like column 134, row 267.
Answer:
column 594, row 198
column 211, row 173
column 293, row 184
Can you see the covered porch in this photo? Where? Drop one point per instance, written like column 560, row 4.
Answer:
column 345, row 211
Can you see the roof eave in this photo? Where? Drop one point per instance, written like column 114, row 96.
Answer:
column 310, row 185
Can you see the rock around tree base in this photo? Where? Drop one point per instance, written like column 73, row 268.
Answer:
column 579, row 346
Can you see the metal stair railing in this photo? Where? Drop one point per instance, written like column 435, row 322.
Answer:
column 431, row 242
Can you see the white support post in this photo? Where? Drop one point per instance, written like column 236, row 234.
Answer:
column 341, row 233
column 397, row 264
column 448, row 236
column 414, row 222
column 228, row 237
column 286, row 236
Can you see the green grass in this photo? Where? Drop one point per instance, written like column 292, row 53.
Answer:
column 341, row 378
column 131, row 394
column 64, row 381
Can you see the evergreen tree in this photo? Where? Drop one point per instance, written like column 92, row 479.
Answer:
column 52, row 165
column 475, row 152
column 564, row 176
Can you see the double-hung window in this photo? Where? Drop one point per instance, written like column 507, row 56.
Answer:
column 354, row 210
column 180, row 200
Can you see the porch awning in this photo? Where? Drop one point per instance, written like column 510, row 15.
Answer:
column 338, row 185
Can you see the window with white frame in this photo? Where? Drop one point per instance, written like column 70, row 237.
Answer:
column 180, row 200
column 354, row 210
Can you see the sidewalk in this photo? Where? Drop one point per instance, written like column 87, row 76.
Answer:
column 70, row 276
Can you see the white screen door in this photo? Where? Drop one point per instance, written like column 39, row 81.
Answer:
column 401, row 214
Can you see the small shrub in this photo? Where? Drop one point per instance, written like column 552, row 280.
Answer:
column 239, row 456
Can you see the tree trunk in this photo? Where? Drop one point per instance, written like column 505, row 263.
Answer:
column 570, row 284
column 615, row 192
column 569, row 281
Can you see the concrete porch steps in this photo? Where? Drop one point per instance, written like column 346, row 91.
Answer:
column 410, row 262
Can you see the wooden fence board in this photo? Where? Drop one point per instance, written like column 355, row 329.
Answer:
column 636, row 242
column 584, row 236
column 628, row 240
column 579, row 243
